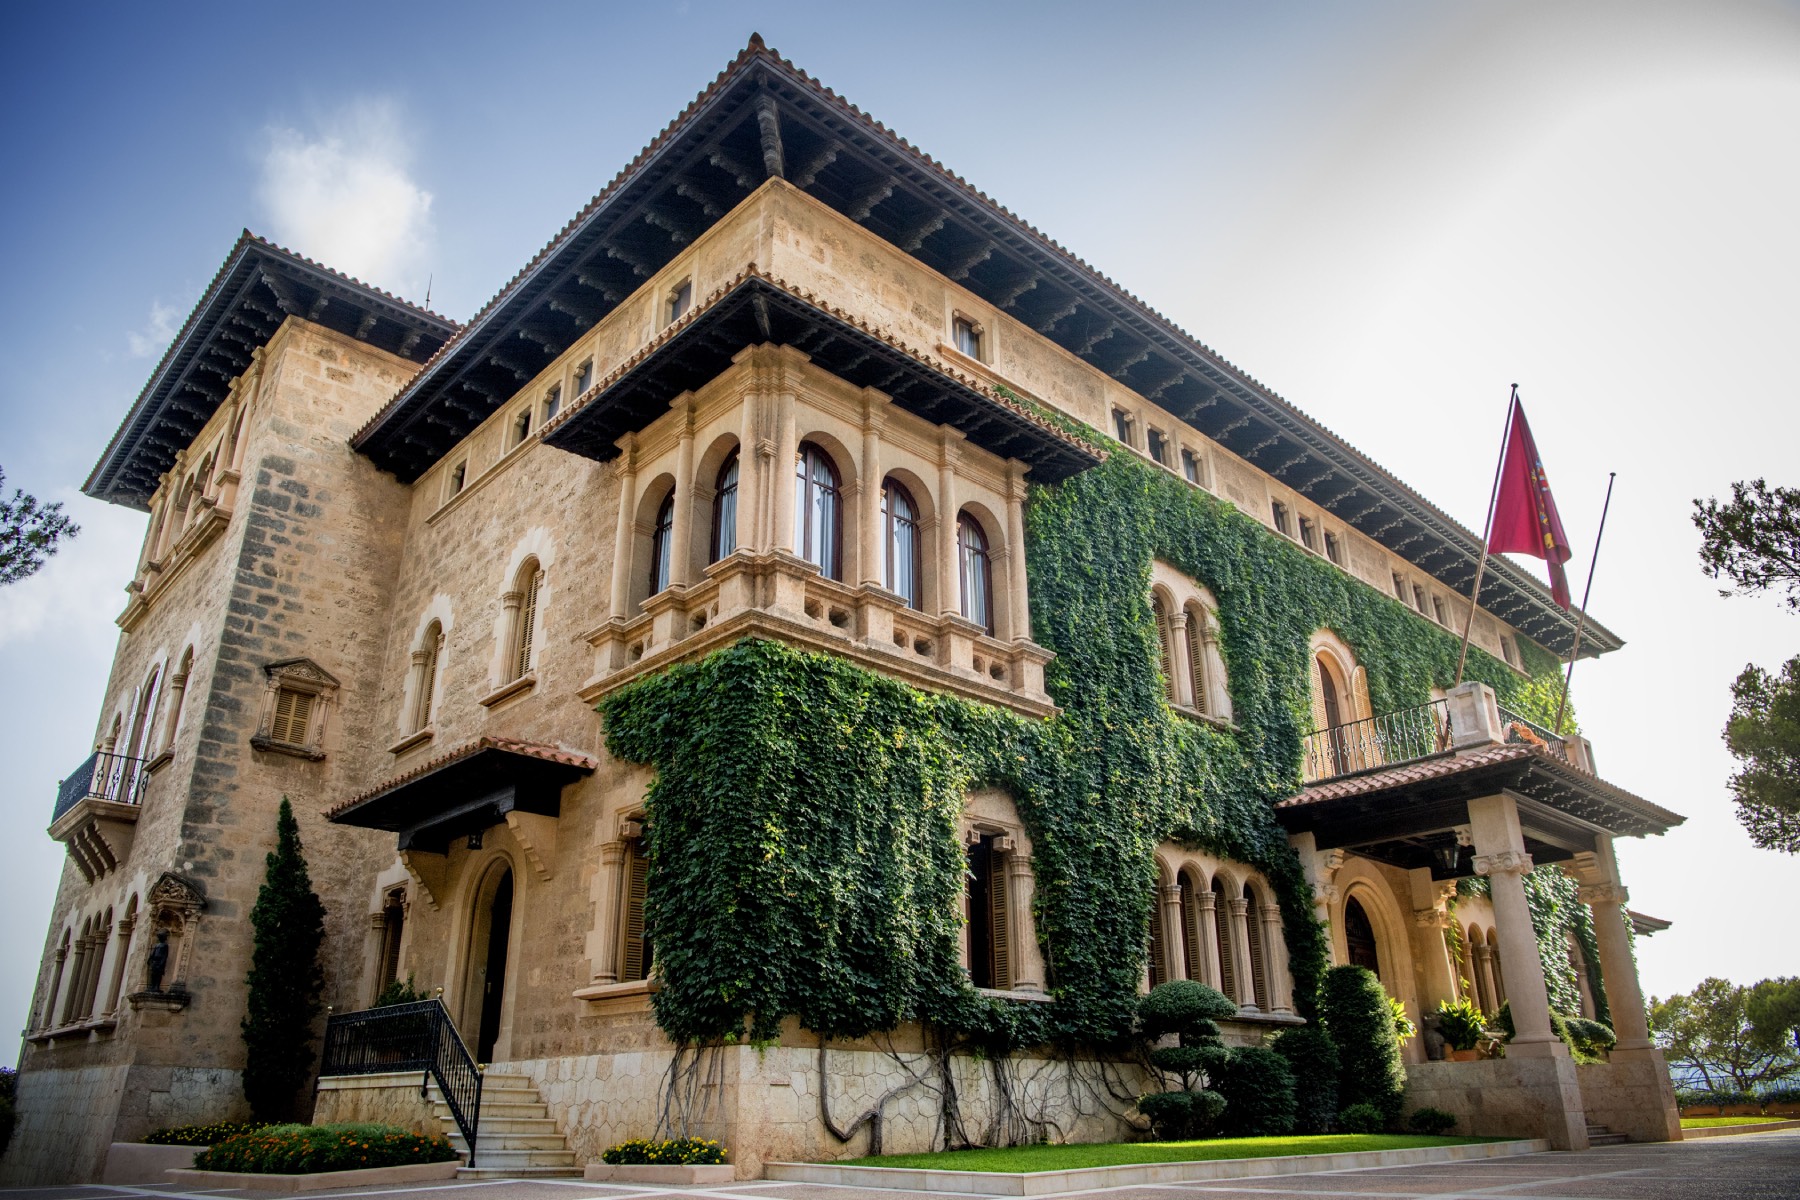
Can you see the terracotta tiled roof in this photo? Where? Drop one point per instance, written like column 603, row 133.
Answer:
column 538, row 750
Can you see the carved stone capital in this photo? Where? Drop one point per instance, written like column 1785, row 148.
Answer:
column 1431, row 918
column 1465, row 835
column 1507, row 862
column 1597, row 894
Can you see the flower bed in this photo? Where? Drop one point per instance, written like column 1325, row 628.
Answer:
column 203, row 1135
column 676, row 1152
column 312, row 1149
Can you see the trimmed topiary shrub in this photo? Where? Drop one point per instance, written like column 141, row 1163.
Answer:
column 1362, row 1118
column 1312, row 1058
column 203, row 1135
column 675, row 1152
column 1258, row 1088
column 1189, row 1010
column 1356, row 1011
column 309, row 1149
column 284, row 978
column 1433, row 1121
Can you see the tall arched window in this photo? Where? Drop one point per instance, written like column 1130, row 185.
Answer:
column 393, row 928
column 1159, row 951
column 1193, row 948
column 525, row 588
column 1164, row 640
column 662, row 545
column 818, row 514
column 1228, row 981
column 1197, row 632
column 1259, row 963
column 1359, row 937
column 178, row 683
column 425, row 669
column 900, row 528
column 724, row 512
column 977, row 573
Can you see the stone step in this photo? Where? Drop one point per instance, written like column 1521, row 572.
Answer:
column 537, row 1126
column 485, row 1172
column 1600, row 1135
column 502, row 1109
column 514, row 1159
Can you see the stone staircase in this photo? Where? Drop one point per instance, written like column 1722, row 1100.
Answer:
column 1600, row 1135
column 516, row 1139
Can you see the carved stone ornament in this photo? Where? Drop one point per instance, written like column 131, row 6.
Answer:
column 1598, row 894
column 171, row 891
column 1507, row 862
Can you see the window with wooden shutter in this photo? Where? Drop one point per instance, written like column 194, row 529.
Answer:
column 293, row 712
column 1190, row 930
column 1167, row 659
column 634, row 962
column 427, row 680
column 1001, row 941
column 1196, row 652
column 527, row 621
column 1159, row 957
column 1259, row 972
column 1222, row 923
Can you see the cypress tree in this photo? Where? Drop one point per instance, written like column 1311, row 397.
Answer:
column 1356, row 1013
column 285, row 977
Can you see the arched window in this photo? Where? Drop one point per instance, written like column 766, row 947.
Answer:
column 1228, row 980
column 818, row 514
column 393, row 928
column 900, row 528
column 977, row 573
column 1259, row 965
column 1192, row 944
column 1198, row 631
column 425, row 670
column 662, row 545
column 178, row 683
column 1359, row 937
column 1159, row 950
column 525, row 595
column 139, row 746
column 1165, row 638
column 1331, row 710
column 990, row 935
column 636, row 955
column 724, row 512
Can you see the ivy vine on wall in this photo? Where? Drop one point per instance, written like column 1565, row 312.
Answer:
column 804, row 811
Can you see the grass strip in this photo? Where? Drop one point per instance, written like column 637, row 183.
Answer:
column 1027, row 1159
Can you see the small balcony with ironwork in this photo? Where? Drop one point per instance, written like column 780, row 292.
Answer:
column 97, row 810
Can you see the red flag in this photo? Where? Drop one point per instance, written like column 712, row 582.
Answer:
column 1525, row 520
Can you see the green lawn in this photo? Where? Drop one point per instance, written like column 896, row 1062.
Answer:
column 1114, row 1154
column 1714, row 1122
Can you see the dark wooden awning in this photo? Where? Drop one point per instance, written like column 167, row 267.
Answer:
column 466, row 790
column 756, row 309
column 1406, row 815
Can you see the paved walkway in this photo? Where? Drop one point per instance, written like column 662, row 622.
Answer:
column 1762, row 1166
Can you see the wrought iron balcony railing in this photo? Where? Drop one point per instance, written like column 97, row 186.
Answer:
column 1523, row 729
column 104, row 776
column 1383, row 741
column 409, row 1037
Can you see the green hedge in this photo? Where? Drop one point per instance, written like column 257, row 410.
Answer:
column 308, row 1149
column 203, row 1135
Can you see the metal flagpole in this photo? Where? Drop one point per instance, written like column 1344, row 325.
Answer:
column 1487, row 533
column 1581, row 618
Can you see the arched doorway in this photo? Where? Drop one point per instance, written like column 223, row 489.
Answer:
column 490, row 936
column 1359, row 937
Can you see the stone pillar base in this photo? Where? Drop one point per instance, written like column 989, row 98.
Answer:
column 1631, row 1094
column 1516, row 1096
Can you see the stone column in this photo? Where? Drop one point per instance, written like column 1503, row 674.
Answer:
column 1028, row 972
column 1500, row 855
column 873, row 551
column 1606, row 898
column 1178, row 658
column 47, row 1014
column 681, row 528
column 623, row 537
column 949, row 572
column 1240, row 950
column 1174, row 945
column 1485, row 987
column 754, row 454
column 1275, row 959
column 1320, row 867
column 603, row 942
column 1431, row 916
column 172, row 718
column 1206, row 903
column 1018, row 606
column 787, row 450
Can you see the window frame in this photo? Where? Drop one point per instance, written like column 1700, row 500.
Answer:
column 1191, row 467
column 680, row 301
column 725, row 494
column 977, row 558
column 1156, row 445
column 891, row 526
column 975, row 343
column 806, row 456
column 662, row 546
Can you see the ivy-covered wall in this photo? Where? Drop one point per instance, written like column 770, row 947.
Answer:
column 803, row 818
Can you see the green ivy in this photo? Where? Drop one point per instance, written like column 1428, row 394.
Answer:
column 803, row 816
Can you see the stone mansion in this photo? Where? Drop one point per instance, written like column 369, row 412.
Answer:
column 786, row 380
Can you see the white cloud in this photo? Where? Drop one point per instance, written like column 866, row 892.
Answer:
column 149, row 341
column 343, row 194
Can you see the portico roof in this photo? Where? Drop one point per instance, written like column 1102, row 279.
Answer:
column 764, row 118
column 471, row 787
column 755, row 309
column 1404, row 814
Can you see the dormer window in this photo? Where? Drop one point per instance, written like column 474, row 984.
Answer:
column 681, row 299
column 1190, row 466
column 1159, row 446
column 965, row 335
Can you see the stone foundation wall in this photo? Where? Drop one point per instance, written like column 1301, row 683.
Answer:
column 1520, row 1096
column 1631, row 1095
column 65, row 1125
column 388, row 1099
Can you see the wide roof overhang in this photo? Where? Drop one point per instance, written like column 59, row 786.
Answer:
column 764, row 118
column 465, row 791
column 259, row 286
column 757, row 310
column 1407, row 815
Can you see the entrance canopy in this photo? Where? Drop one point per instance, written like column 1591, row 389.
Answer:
column 465, row 791
column 1409, row 815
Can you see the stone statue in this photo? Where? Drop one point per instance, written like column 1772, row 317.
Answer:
column 1435, row 1042
column 159, row 960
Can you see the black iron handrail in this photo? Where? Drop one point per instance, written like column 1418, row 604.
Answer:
column 1512, row 722
column 1390, row 739
column 409, row 1037
column 104, row 776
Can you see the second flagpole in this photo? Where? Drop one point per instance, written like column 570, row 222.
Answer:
column 1487, row 533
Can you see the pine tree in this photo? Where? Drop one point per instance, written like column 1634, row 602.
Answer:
column 285, row 977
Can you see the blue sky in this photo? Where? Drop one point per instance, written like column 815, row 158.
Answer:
column 1387, row 212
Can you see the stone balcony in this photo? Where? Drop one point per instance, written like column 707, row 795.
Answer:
column 785, row 598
